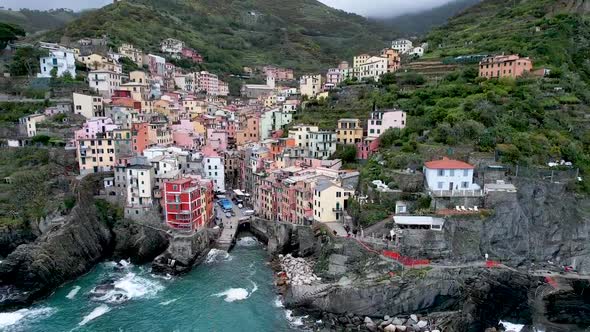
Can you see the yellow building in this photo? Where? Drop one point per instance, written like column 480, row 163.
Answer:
column 96, row 154
column 349, row 131
column 310, row 85
column 329, row 201
column 99, row 62
column 270, row 101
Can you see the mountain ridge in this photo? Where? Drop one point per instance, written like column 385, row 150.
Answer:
column 303, row 34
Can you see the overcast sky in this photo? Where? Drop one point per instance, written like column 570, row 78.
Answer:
column 362, row 7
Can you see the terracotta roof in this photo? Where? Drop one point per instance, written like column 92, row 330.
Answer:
column 447, row 163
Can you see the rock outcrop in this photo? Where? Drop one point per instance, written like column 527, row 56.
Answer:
column 184, row 251
column 138, row 242
column 34, row 270
column 13, row 236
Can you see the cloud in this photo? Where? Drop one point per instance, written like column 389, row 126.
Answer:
column 384, row 8
column 374, row 8
column 49, row 4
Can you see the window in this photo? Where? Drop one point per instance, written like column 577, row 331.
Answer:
column 465, row 172
column 338, row 194
column 441, row 172
column 440, row 185
column 465, row 185
column 452, row 172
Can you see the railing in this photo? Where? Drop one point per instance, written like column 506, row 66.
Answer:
column 457, row 193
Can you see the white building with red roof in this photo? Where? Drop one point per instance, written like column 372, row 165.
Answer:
column 449, row 175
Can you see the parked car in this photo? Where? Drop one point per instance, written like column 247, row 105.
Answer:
column 228, row 215
column 248, row 213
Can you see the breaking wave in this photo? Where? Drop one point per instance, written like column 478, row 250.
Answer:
column 247, row 241
column 73, row 292
column 97, row 312
column 17, row 318
column 294, row 320
column 234, row 294
column 216, row 255
column 237, row 294
column 130, row 286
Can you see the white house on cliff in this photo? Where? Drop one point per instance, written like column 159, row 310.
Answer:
column 447, row 175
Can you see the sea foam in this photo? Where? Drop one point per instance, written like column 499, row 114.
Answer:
column 247, row 241
column 22, row 316
column 216, row 255
column 72, row 294
column 234, row 294
column 97, row 312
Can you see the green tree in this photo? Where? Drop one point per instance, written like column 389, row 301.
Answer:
column 26, row 61
column 9, row 33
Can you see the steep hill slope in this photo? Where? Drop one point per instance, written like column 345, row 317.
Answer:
column 422, row 22
column 304, row 34
column 38, row 20
column 554, row 33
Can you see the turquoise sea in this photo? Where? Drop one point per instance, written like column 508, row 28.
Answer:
column 227, row 292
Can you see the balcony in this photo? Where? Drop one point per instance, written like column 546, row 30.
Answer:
column 337, row 209
column 457, row 193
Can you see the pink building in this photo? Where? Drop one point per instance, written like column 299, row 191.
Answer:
column 504, row 66
column 334, row 76
column 381, row 120
column 209, row 83
column 95, row 126
column 279, row 74
column 186, row 139
column 366, row 148
column 217, row 139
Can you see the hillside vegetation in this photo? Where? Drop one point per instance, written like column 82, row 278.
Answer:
column 302, row 34
column 529, row 121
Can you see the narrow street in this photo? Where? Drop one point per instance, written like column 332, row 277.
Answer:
column 230, row 228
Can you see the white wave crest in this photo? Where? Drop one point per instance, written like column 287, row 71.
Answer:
column 254, row 288
column 512, row 327
column 247, row 241
column 278, row 302
column 234, row 294
column 23, row 316
column 72, row 294
column 237, row 294
column 216, row 255
column 130, row 286
column 168, row 302
column 135, row 286
column 294, row 320
column 97, row 312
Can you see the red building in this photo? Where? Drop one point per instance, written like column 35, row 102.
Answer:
column 366, row 148
column 192, row 54
column 182, row 205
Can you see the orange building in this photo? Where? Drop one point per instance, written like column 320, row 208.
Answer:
column 140, row 137
column 394, row 60
column 249, row 132
column 504, row 66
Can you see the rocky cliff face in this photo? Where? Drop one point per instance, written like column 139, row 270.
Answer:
column 67, row 251
column 34, row 270
column 543, row 222
column 12, row 237
column 141, row 244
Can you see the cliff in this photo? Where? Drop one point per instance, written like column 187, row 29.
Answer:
column 34, row 270
column 543, row 222
column 92, row 232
